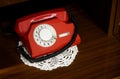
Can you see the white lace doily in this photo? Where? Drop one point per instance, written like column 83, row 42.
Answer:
column 61, row 60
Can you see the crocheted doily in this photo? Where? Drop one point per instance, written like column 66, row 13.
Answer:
column 61, row 60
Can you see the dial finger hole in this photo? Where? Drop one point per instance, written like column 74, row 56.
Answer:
column 40, row 42
column 48, row 44
column 37, row 39
column 36, row 36
column 51, row 41
column 37, row 32
column 44, row 44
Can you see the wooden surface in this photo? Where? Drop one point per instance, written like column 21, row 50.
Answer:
column 117, row 19
column 100, row 11
column 112, row 17
column 98, row 57
column 9, row 2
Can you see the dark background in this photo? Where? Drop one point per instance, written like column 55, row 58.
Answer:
column 98, row 10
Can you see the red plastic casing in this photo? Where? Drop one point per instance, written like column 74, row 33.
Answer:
column 57, row 18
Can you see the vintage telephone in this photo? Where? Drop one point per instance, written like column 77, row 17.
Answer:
column 46, row 34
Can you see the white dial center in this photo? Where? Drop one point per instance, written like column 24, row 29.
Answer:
column 45, row 34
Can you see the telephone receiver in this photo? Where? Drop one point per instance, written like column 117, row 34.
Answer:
column 46, row 34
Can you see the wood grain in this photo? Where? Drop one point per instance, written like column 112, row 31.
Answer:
column 9, row 2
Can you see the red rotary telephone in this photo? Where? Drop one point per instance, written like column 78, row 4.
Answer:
column 46, row 34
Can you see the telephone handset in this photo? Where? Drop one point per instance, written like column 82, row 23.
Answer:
column 46, row 34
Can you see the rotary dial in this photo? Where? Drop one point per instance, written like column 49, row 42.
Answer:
column 44, row 35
